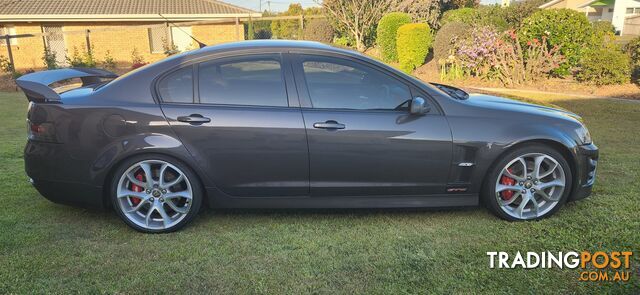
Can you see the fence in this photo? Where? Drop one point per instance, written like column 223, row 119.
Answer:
column 126, row 43
column 632, row 26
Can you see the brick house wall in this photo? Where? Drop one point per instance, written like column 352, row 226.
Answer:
column 120, row 42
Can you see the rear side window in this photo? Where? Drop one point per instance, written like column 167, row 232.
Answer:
column 250, row 80
column 177, row 86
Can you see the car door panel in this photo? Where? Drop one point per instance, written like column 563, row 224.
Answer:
column 378, row 153
column 248, row 152
column 363, row 151
column 246, row 149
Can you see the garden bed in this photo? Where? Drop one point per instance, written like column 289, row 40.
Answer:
column 429, row 72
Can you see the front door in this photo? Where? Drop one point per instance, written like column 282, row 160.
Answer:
column 362, row 139
column 239, row 124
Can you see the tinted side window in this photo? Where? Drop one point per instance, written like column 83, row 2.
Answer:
column 177, row 86
column 243, row 81
column 342, row 84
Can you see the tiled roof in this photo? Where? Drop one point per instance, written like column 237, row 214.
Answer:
column 118, row 7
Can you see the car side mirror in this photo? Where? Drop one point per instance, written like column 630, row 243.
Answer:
column 419, row 106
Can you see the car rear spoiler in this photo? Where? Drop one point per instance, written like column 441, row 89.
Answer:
column 36, row 85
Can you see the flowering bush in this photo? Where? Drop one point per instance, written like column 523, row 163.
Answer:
column 494, row 56
column 136, row 59
column 566, row 28
column 474, row 52
column 540, row 58
column 512, row 64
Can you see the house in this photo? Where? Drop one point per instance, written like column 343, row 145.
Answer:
column 114, row 28
column 615, row 11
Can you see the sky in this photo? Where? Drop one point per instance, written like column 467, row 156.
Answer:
column 281, row 5
column 276, row 5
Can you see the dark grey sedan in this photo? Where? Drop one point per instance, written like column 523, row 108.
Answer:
column 284, row 124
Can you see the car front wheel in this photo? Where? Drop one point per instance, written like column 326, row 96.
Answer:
column 529, row 183
column 155, row 194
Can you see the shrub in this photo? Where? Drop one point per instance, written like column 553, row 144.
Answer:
column 320, row 30
column 386, row 34
column 604, row 66
column 603, row 34
column 633, row 50
column 603, row 27
column 568, row 29
column 447, row 37
column 136, row 59
column 494, row 56
column 81, row 59
column 109, row 63
column 5, row 65
column 462, row 15
column 343, row 41
column 475, row 51
column 258, row 29
column 515, row 13
column 262, row 34
column 49, row 59
column 423, row 11
column 169, row 48
column 413, row 43
column 491, row 15
column 290, row 28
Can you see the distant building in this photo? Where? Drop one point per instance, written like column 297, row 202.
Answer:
column 615, row 11
column 124, row 22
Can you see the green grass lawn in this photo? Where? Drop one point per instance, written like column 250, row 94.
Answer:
column 49, row 248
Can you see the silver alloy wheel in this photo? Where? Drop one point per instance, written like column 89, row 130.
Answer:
column 154, row 194
column 530, row 186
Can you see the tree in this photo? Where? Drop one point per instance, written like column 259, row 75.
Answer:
column 423, row 11
column 357, row 18
column 290, row 28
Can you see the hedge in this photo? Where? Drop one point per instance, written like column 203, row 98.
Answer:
column 386, row 34
column 413, row 42
column 566, row 28
column 319, row 30
column 605, row 66
column 446, row 38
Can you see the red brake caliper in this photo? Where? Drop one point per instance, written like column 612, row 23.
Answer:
column 135, row 188
column 506, row 180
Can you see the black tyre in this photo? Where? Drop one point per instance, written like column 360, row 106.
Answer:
column 155, row 193
column 528, row 183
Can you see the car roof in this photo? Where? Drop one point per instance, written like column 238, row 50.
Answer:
column 265, row 44
column 268, row 44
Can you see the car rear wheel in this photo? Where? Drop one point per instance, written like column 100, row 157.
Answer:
column 155, row 194
column 529, row 183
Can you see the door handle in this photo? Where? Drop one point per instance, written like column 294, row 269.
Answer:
column 330, row 125
column 194, row 119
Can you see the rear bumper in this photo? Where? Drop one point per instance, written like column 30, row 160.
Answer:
column 54, row 173
column 586, row 166
column 69, row 193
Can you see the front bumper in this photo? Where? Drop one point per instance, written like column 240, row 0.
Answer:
column 586, row 165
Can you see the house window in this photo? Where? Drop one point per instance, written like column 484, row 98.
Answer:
column 633, row 10
column 8, row 30
column 158, row 37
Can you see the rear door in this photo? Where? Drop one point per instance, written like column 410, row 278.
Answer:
column 362, row 139
column 242, row 123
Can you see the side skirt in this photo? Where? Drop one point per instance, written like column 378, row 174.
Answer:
column 217, row 200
